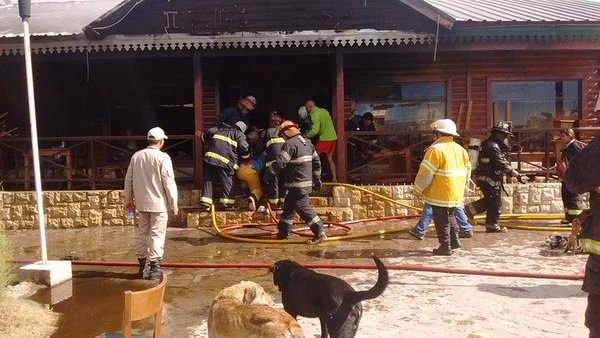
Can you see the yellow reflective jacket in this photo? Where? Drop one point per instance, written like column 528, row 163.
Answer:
column 443, row 173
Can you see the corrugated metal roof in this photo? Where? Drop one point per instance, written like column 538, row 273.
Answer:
column 53, row 18
column 520, row 10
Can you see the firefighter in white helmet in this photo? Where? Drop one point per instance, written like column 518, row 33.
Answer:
column 441, row 180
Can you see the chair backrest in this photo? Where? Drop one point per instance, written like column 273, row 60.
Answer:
column 143, row 304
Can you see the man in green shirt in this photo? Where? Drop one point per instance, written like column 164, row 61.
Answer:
column 322, row 125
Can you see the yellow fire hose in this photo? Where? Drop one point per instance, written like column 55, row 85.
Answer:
column 382, row 232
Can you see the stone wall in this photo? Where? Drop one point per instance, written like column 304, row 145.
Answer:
column 74, row 209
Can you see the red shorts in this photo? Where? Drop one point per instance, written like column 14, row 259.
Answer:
column 326, row 147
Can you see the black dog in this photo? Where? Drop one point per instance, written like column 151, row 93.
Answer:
column 309, row 294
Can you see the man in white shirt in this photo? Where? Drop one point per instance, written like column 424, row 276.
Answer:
column 150, row 188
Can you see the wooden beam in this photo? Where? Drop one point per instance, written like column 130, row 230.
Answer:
column 198, row 117
column 495, row 113
column 507, row 114
column 468, row 118
column 459, row 116
column 338, row 115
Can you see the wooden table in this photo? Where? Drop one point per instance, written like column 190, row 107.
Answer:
column 66, row 152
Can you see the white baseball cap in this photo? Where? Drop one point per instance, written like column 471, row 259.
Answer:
column 156, row 133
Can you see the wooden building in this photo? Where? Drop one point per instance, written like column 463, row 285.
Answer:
column 178, row 63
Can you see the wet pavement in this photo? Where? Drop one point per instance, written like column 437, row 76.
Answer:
column 415, row 304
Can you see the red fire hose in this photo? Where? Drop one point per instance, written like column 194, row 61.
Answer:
column 406, row 267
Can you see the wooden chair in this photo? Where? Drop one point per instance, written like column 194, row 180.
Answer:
column 140, row 305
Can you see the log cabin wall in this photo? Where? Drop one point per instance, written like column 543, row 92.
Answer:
column 477, row 68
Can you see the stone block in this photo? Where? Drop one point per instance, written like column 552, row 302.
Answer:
column 341, row 202
column 547, row 194
column 533, row 209
column 74, row 210
column 24, row 198
column 117, row 222
column 319, row 201
column 339, row 192
column 53, row 223
column 16, row 212
column 66, row 223
column 356, row 197
column 52, row 273
column 535, row 197
column 111, row 213
column 375, row 213
column 7, row 198
column 64, row 197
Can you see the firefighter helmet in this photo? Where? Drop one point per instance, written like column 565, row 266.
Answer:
column 445, row 126
column 285, row 125
column 504, row 127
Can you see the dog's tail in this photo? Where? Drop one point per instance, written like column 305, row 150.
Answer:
column 376, row 290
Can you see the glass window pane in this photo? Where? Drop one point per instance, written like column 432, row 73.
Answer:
column 535, row 104
column 423, row 90
column 419, row 105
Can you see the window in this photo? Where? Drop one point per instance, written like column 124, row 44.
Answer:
column 403, row 106
column 535, row 104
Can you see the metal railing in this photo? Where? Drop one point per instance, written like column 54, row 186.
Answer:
column 85, row 163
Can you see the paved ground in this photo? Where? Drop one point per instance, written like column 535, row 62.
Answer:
column 416, row 304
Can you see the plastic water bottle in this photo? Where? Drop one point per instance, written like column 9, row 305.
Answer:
column 130, row 211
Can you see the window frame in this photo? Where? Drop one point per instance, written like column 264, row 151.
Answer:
column 397, row 81
column 490, row 79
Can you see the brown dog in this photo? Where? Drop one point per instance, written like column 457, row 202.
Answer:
column 244, row 310
column 309, row 294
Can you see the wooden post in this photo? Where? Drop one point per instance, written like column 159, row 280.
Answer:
column 469, row 111
column 338, row 115
column 507, row 111
column 198, row 118
column 495, row 113
column 461, row 108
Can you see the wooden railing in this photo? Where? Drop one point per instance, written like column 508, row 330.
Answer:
column 396, row 155
column 84, row 163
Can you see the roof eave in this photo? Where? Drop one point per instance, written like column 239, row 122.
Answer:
column 431, row 12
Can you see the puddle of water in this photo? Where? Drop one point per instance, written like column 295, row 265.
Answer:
column 96, row 305
column 343, row 254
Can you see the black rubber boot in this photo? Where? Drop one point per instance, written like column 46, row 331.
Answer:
column 155, row 270
column 494, row 228
column 442, row 251
column 142, row 267
column 454, row 242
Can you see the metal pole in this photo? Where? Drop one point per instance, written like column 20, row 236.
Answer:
column 34, row 139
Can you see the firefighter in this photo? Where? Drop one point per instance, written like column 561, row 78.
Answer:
column 300, row 167
column 492, row 165
column 225, row 143
column 275, row 189
column 573, row 203
column 581, row 176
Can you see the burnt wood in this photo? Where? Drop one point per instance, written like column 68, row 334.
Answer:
column 226, row 16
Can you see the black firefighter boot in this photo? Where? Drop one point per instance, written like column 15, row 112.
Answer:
column 155, row 270
column 444, row 239
column 142, row 267
column 454, row 242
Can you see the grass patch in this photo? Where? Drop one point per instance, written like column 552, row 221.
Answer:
column 20, row 317
column 6, row 269
column 25, row 318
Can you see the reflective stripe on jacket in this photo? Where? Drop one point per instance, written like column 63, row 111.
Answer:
column 297, row 162
column 274, row 143
column 442, row 175
column 224, row 144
